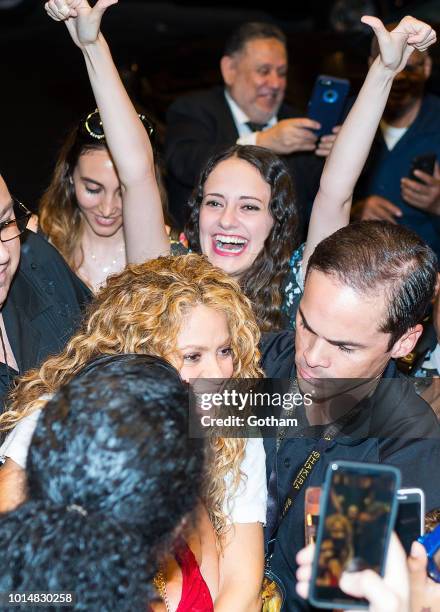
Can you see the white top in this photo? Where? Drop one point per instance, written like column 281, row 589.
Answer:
column 17, row 442
column 247, row 505
column 245, row 135
column 391, row 134
column 249, row 502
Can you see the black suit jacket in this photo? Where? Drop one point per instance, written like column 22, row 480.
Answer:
column 201, row 124
column 43, row 307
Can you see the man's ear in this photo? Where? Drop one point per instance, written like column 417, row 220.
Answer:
column 407, row 342
column 427, row 67
column 228, row 69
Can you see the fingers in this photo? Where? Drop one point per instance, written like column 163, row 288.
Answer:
column 376, row 208
column 305, row 122
column 305, row 555
column 370, row 585
column 303, row 574
column 418, row 194
column 325, row 145
column 418, row 562
column 420, row 34
column 428, row 179
column 60, row 10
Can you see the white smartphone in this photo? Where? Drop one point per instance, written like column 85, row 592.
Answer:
column 410, row 521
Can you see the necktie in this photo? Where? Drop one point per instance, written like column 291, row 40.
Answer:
column 255, row 127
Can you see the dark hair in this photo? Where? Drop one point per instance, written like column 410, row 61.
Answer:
column 111, row 474
column 382, row 258
column 59, row 215
column 252, row 30
column 263, row 282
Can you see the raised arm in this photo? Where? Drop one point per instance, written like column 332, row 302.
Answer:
column 331, row 208
column 127, row 139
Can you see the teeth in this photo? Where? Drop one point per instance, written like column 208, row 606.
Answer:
column 231, row 240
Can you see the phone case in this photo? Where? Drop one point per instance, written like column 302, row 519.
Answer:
column 425, row 163
column 350, row 466
column 327, row 102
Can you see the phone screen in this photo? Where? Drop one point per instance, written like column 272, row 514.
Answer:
column 355, row 524
column 408, row 521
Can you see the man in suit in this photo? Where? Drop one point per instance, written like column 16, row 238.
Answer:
column 249, row 109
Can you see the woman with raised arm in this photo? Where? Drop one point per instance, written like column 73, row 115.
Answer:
column 83, row 210
column 242, row 213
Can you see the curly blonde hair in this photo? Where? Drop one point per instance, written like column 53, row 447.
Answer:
column 141, row 310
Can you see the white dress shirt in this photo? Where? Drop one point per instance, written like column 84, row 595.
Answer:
column 245, row 134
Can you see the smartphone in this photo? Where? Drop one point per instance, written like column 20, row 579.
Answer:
column 311, row 513
column 425, row 163
column 327, row 102
column 410, row 521
column 358, row 511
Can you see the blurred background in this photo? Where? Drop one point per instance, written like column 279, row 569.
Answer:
column 163, row 49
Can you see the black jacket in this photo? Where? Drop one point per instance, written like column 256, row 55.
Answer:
column 43, row 307
column 397, row 428
column 201, row 124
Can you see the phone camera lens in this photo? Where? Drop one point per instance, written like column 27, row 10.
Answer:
column 330, row 96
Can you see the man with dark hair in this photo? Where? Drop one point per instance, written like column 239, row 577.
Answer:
column 248, row 110
column 367, row 287
column 410, row 128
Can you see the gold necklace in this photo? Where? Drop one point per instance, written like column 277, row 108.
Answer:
column 161, row 586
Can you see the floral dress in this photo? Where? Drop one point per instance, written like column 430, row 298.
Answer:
column 293, row 287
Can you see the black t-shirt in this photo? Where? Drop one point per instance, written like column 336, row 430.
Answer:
column 406, row 435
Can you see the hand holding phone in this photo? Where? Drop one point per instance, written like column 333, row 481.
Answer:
column 388, row 594
column 425, row 163
column 358, row 499
column 327, row 102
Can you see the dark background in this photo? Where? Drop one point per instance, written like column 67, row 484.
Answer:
column 163, row 49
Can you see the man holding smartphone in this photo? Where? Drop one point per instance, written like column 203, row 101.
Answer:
column 367, row 287
column 249, row 109
column 410, row 130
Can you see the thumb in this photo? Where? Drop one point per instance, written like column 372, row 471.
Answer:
column 372, row 587
column 418, row 560
column 102, row 5
column 377, row 26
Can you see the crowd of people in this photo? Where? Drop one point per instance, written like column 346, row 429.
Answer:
column 110, row 314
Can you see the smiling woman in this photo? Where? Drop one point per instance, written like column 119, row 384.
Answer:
column 81, row 212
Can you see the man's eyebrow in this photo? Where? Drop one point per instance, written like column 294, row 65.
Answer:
column 333, row 342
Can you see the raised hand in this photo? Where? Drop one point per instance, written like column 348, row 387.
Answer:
column 82, row 21
column 396, row 46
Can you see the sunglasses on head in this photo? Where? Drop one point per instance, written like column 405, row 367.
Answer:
column 93, row 125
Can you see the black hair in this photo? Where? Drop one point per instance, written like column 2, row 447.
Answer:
column 252, row 30
column 377, row 257
column 263, row 282
column 111, row 474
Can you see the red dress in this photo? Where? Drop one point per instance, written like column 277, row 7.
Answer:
column 195, row 593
